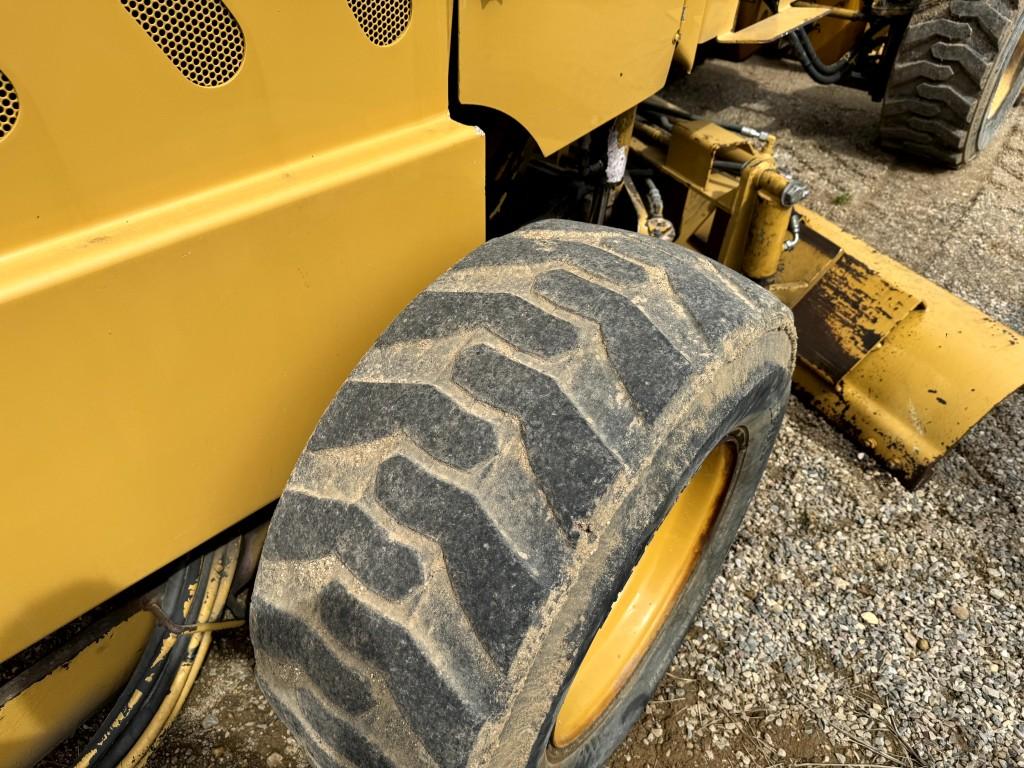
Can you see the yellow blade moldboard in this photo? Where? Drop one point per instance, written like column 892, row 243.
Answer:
column 902, row 366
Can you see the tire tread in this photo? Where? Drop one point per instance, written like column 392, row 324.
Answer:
column 939, row 75
column 550, row 292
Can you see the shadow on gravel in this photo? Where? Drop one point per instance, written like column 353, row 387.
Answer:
column 843, row 119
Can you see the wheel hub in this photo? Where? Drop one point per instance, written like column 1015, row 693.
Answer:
column 647, row 600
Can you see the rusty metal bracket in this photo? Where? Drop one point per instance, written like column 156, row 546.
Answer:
column 187, row 629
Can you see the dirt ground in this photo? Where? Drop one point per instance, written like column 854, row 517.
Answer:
column 767, row 695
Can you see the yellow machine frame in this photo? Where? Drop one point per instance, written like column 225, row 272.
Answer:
column 748, row 25
column 186, row 281
column 188, row 273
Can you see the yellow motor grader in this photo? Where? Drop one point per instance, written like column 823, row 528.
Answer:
column 428, row 340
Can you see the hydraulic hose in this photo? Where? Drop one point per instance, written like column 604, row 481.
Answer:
column 828, row 69
column 663, row 107
column 192, row 598
column 819, row 71
column 817, row 75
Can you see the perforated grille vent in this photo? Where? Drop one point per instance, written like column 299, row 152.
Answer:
column 201, row 37
column 383, row 21
column 8, row 105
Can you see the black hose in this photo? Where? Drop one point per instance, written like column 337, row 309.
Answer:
column 825, row 78
column 682, row 114
column 819, row 71
column 104, row 740
column 729, row 166
column 182, row 653
column 828, row 69
column 153, row 676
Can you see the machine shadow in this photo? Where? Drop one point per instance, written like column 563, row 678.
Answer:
column 788, row 103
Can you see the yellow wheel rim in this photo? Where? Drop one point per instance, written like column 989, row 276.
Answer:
column 647, row 600
column 1007, row 80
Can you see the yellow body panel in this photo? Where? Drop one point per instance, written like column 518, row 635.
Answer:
column 563, row 68
column 109, row 125
column 703, row 20
column 49, row 710
column 187, row 274
column 712, row 17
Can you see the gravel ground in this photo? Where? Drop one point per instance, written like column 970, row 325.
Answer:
column 855, row 622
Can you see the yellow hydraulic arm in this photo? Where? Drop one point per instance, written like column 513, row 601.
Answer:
column 902, row 366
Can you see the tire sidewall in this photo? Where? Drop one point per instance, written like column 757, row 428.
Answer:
column 755, row 419
column 984, row 129
column 746, row 398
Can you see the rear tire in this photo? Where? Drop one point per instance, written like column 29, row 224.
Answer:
column 477, row 495
column 947, row 95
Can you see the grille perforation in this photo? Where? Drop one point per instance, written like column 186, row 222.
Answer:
column 202, row 38
column 382, row 21
column 9, row 106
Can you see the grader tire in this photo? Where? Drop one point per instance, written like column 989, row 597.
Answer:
column 957, row 74
column 480, row 489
